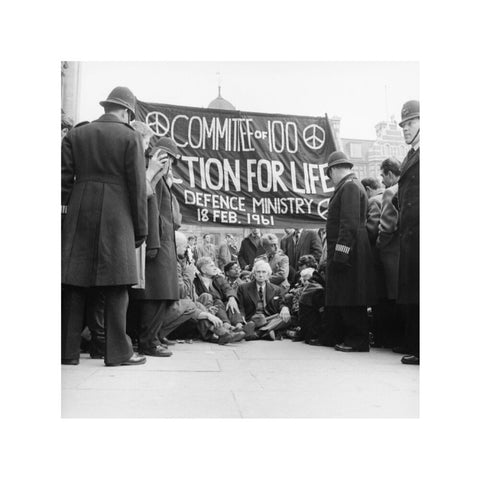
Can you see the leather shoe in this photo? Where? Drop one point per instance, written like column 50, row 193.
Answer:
column 159, row 352
column 410, row 359
column 348, row 349
column 135, row 360
column 231, row 337
column 70, row 362
column 166, row 342
column 314, row 342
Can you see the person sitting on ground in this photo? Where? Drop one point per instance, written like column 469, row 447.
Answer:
column 232, row 275
column 207, row 280
column 277, row 260
column 261, row 303
column 187, row 309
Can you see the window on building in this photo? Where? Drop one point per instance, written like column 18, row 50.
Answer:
column 355, row 150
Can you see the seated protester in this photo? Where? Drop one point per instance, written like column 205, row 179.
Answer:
column 207, row 280
column 261, row 303
column 277, row 260
column 186, row 308
column 232, row 275
column 305, row 261
column 292, row 298
column 311, row 310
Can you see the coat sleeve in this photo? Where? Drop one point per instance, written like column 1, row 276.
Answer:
column 153, row 238
column 136, row 184
column 373, row 220
column 224, row 287
column 349, row 222
column 388, row 219
column 241, row 299
column 315, row 245
column 68, row 172
column 241, row 255
column 281, row 271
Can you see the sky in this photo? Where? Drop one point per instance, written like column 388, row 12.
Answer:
column 361, row 93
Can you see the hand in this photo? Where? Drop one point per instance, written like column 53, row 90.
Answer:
column 217, row 322
column 232, row 304
column 152, row 253
column 157, row 167
column 139, row 241
column 285, row 315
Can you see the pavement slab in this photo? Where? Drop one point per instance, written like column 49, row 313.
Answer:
column 257, row 379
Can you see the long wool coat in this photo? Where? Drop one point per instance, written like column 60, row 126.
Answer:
column 409, row 227
column 161, row 271
column 104, row 196
column 349, row 257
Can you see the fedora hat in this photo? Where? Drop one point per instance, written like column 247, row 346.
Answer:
column 337, row 158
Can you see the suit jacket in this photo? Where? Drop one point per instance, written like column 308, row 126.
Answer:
column 409, row 229
column 373, row 216
column 220, row 288
column 247, row 296
column 388, row 241
column 224, row 255
column 249, row 251
column 105, row 200
column 349, row 255
column 308, row 243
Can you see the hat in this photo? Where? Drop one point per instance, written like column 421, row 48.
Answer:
column 122, row 96
column 259, row 320
column 410, row 110
column 167, row 144
column 337, row 158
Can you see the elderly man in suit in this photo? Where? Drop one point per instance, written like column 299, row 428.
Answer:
column 104, row 201
column 409, row 227
column 302, row 242
column 259, row 300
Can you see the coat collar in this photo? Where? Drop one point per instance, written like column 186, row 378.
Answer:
column 109, row 118
column 409, row 162
column 344, row 180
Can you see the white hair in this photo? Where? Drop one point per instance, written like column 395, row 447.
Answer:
column 262, row 263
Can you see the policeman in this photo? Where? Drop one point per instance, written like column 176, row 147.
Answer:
column 409, row 231
column 105, row 206
column 349, row 258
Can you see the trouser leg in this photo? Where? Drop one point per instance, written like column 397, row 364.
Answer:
column 95, row 321
column 412, row 327
column 118, row 346
column 73, row 312
column 151, row 318
column 333, row 326
column 355, row 321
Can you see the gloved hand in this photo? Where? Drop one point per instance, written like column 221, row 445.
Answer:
column 152, row 253
column 139, row 240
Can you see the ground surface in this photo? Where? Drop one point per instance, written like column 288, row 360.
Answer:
column 257, row 379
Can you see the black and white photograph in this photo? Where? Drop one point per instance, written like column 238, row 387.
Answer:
column 252, row 255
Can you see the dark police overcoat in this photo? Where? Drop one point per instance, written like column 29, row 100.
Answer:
column 409, row 228
column 349, row 257
column 104, row 195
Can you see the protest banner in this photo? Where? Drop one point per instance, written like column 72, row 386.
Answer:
column 246, row 169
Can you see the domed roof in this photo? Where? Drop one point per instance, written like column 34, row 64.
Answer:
column 220, row 103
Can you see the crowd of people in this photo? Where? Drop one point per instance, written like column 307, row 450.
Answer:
column 133, row 284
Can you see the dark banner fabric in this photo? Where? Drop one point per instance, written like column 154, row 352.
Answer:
column 246, row 169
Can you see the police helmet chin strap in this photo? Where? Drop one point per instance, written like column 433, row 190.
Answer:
column 415, row 137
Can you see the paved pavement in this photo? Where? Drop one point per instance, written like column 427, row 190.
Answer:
column 257, row 379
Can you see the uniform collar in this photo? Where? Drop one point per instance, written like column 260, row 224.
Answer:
column 110, row 118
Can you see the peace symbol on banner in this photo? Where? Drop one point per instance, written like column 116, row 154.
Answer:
column 314, row 136
column 158, row 122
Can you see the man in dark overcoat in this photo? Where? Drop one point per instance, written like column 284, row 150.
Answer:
column 161, row 287
column 409, row 227
column 250, row 248
column 388, row 246
column 104, row 203
column 300, row 243
column 349, row 258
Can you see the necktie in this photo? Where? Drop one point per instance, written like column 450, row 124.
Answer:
column 260, row 293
